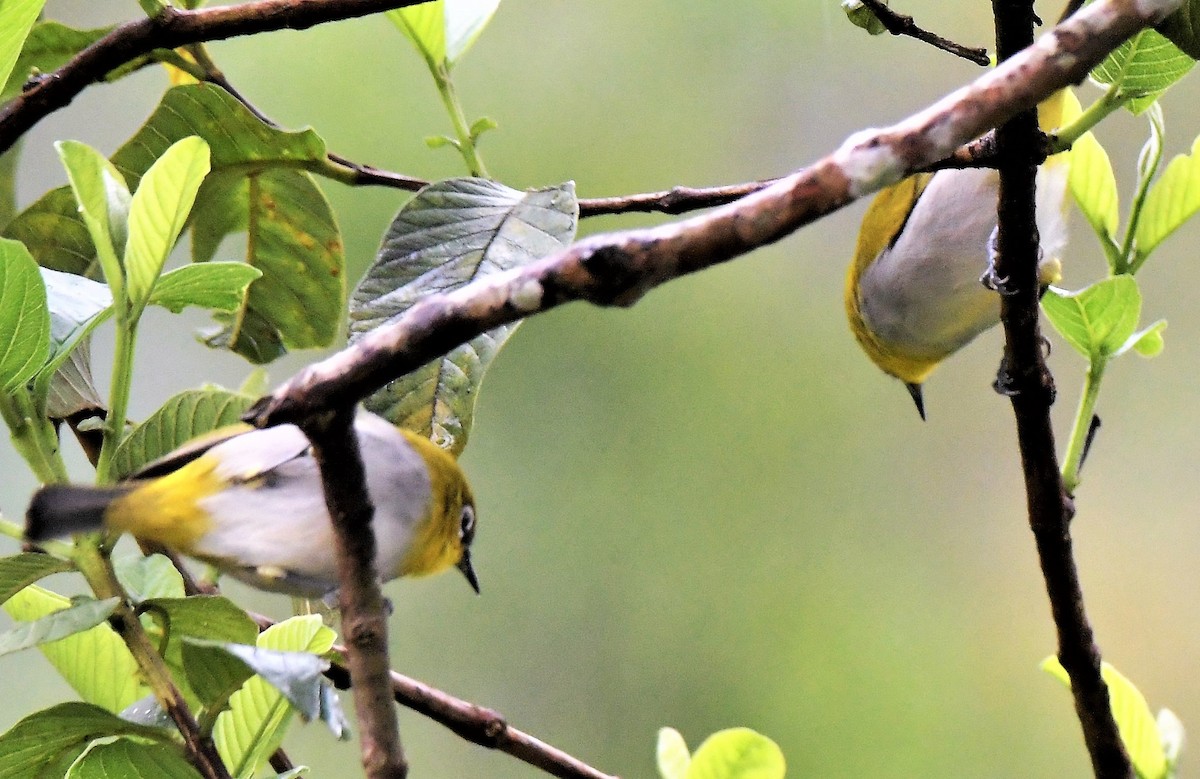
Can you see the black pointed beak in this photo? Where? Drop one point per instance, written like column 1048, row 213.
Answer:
column 914, row 390
column 464, row 565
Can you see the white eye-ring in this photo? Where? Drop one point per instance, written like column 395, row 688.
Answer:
column 466, row 530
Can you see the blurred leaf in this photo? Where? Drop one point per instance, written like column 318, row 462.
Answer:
column 24, row 319
column 672, row 754
column 438, row 141
column 299, row 770
column 200, row 616
column 452, row 233
column 103, row 199
column 1134, row 720
column 482, row 125
column 49, row 46
column 16, row 20
column 42, row 738
column 83, row 615
column 294, row 240
column 1142, row 68
column 158, row 211
column 1174, row 199
column 252, row 728
column 1094, row 186
column 183, row 417
column 1147, row 342
column 95, row 663
column 130, row 759
column 255, row 384
column 72, row 389
column 20, row 571
column 1171, row 730
column 213, row 285
column 1097, row 320
column 1183, row 27
column 861, row 16
column 8, row 182
column 737, row 753
column 148, row 576
column 55, row 233
column 147, row 711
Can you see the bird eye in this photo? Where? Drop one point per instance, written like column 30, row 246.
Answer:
column 466, row 531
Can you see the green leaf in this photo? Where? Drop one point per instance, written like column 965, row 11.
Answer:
column 452, row 233
column 55, row 233
column 482, row 125
column 95, row 663
column 20, row 571
column 862, row 16
column 1097, row 320
column 158, row 211
column 104, row 202
column 1183, row 28
column 213, row 285
column 213, row 673
column 8, row 183
column 445, row 29
column 1147, row 342
column 252, row 728
column 737, row 753
column 77, row 305
column 1142, row 68
column 42, row 738
column 1094, row 186
column 179, row 420
column 24, row 319
column 49, row 46
column 84, row 615
column 16, row 20
column 293, row 238
column 1174, row 199
column 148, row 576
column 130, row 759
column 672, row 754
column 297, row 675
column 1132, row 714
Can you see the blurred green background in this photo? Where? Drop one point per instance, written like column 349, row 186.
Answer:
column 711, row 510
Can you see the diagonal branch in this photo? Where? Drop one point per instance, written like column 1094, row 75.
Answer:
column 618, row 268
column 170, row 29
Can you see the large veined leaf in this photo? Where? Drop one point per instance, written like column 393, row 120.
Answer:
column 24, row 318
column 452, row 233
column 20, row 571
column 130, row 759
column 54, row 233
column 1142, row 68
column 183, row 417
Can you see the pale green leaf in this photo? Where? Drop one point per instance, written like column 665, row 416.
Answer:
column 158, row 211
column 130, row 759
column 43, row 738
column 20, row 571
column 1142, row 68
column 219, row 286
column 672, row 754
column 104, row 201
column 1132, row 714
column 96, row 663
column 16, row 20
column 1097, row 320
column 737, row 753
column 1147, row 342
column 452, row 233
column 1174, row 199
column 425, row 26
column 83, row 615
column 183, row 417
column 24, row 318
column 1094, row 186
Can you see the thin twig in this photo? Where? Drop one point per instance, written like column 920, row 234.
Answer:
column 900, row 24
column 170, row 29
column 1026, row 380
column 617, row 268
column 364, row 615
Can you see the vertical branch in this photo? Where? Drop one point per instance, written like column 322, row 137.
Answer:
column 364, row 617
column 1026, row 380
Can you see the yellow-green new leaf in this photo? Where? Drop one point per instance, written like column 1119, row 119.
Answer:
column 737, row 753
column 103, row 200
column 1099, row 319
column 1132, row 714
column 159, row 209
column 1142, row 68
column 1094, row 186
column 672, row 754
column 16, row 19
column 1174, row 199
column 444, row 30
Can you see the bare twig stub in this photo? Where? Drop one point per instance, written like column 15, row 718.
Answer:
column 1026, row 379
column 617, row 268
column 900, row 24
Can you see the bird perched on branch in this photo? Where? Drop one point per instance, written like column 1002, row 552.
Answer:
column 250, row 502
column 913, row 292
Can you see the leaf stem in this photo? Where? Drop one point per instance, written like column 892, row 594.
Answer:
column 1077, row 445
column 1065, row 138
column 118, row 396
column 466, row 142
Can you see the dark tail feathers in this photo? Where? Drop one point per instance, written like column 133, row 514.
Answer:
column 63, row 509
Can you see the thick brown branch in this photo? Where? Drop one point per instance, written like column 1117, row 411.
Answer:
column 1025, row 378
column 899, row 24
column 364, row 615
column 616, row 269
column 170, row 29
